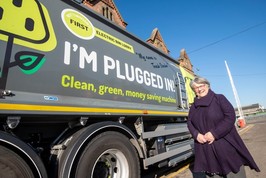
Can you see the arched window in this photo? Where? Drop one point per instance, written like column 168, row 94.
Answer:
column 103, row 9
column 107, row 12
column 111, row 16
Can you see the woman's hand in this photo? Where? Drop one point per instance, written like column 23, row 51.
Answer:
column 201, row 138
column 209, row 137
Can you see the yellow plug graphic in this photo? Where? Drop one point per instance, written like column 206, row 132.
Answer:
column 28, row 22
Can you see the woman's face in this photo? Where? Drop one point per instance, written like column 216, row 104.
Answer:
column 201, row 90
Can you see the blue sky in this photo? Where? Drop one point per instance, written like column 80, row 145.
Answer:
column 211, row 32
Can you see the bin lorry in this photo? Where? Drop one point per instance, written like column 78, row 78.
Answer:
column 82, row 97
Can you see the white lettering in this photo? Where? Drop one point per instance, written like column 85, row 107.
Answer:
column 132, row 77
column 84, row 57
column 147, row 79
column 118, row 71
column 131, row 73
column 109, row 64
column 67, row 53
column 116, row 68
column 139, row 76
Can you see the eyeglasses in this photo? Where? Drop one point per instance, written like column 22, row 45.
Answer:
column 199, row 87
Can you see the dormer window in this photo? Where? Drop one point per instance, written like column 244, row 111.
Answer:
column 107, row 13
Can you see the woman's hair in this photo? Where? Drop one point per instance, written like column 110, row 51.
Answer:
column 199, row 80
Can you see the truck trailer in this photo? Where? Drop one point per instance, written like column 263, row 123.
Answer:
column 82, row 97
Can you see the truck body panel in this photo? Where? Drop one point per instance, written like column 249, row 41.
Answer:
column 76, row 87
column 71, row 68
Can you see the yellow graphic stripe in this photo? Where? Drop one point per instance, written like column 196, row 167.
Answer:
column 50, row 108
column 113, row 40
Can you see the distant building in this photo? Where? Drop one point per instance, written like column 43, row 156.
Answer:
column 156, row 40
column 186, row 68
column 251, row 109
column 185, row 62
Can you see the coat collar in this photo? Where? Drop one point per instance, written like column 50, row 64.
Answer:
column 204, row 101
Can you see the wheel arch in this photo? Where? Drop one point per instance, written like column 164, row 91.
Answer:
column 84, row 136
column 25, row 152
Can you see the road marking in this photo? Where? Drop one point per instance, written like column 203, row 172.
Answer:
column 245, row 129
column 174, row 174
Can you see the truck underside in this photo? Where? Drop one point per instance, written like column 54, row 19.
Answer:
column 67, row 143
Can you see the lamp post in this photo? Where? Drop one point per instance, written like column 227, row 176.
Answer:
column 240, row 119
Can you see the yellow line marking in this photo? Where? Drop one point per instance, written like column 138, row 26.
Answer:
column 174, row 174
column 245, row 129
column 51, row 108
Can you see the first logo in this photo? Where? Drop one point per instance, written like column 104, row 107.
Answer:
column 78, row 24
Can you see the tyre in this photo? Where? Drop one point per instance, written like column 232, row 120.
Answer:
column 12, row 165
column 108, row 155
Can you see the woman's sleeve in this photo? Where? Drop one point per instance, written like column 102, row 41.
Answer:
column 194, row 132
column 228, row 122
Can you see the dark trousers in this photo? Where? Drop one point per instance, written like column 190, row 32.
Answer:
column 199, row 175
column 240, row 174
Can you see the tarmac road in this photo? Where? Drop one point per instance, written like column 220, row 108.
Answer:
column 254, row 136
column 255, row 140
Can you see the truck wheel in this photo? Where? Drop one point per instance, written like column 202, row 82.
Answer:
column 109, row 155
column 12, row 165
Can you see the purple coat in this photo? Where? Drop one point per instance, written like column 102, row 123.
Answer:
column 228, row 152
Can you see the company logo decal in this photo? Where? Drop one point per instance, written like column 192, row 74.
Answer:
column 78, row 24
column 81, row 26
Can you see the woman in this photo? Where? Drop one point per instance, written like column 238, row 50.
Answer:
column 219, row 150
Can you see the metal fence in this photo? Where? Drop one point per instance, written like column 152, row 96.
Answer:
column 258, row 116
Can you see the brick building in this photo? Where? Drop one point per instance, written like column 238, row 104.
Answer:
column 108, row 9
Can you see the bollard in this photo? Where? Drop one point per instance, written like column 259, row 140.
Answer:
column 241, row 123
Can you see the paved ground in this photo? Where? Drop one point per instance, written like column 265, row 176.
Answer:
column 254, row 136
